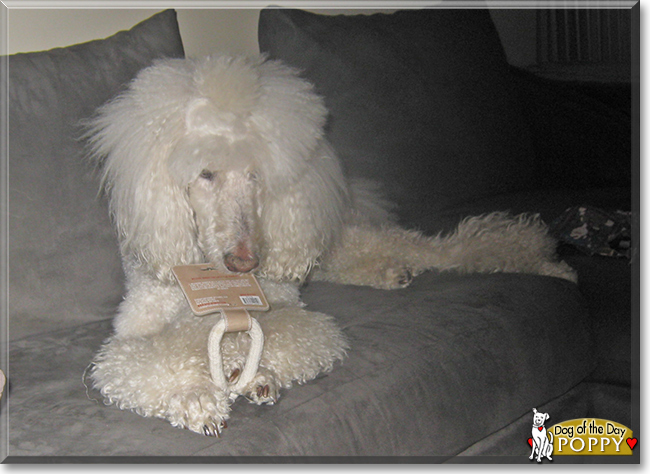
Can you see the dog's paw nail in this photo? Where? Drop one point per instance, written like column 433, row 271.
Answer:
column 224, row 425
column 260, row 389
column 406, row 278
column 211, row 429
column 234, row 376
column 265, row 391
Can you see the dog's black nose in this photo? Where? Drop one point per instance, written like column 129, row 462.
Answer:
column 240, row 264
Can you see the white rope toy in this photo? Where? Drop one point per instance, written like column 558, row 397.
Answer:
column 235, row 321
column 208, row 290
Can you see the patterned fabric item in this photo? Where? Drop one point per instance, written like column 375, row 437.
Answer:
column 595, row 231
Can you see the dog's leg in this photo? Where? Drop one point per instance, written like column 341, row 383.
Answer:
column 549, row 447
column 148, row 306
column 165, row 375
column 382, row 257
column 543, row 447
column 389, row 256
column 298, row 346
column 499, row 243
column 532, row 452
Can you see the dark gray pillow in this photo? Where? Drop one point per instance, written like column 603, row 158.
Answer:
column 420, row 100
column 64, row 264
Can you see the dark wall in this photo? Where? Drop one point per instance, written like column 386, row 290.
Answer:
column 518, row 33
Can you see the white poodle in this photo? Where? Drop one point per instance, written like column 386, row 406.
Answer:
column 223, row 160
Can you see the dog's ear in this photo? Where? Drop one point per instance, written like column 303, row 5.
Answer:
column 154, row 221
column 547, row 416
column 131, row 138
column 290, row 115
column 304, row 190
column 300, row 220
column 535, row 410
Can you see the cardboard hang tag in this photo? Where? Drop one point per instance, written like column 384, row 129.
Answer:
column 208, row 290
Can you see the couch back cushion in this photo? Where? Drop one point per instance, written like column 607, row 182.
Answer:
column 581, row 131
column 420, row 100
column 63, row 258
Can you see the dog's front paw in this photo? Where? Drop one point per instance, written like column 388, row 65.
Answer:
column 397, row 277
column 203, row 411
column 263, row 389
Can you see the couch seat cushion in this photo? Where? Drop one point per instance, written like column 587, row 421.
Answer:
column 605, row 282
column 432, row 370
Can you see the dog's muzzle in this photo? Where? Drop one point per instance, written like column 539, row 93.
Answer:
column 241, row 260
column 240, row 265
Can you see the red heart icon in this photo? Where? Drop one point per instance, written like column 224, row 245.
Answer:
column 631, row 442
column 530, row 442
column 540, row 428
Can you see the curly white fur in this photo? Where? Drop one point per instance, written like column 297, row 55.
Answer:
column 223, row 160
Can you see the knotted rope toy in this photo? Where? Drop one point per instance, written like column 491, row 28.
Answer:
column 235, row 320
column 208, row 291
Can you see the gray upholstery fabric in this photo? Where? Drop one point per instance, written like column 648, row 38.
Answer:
column 63, row 260
column 432, row 370
column 420, row 100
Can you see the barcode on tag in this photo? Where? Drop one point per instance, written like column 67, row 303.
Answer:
column 252, row 300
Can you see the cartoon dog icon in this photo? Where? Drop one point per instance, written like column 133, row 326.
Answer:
column 542, row 446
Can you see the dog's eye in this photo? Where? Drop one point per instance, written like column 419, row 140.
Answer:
column 207, row 174
column 252, row 176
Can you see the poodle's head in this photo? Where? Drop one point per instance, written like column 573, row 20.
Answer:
column 223, row 161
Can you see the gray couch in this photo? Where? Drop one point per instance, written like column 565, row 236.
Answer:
column 448, row 369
